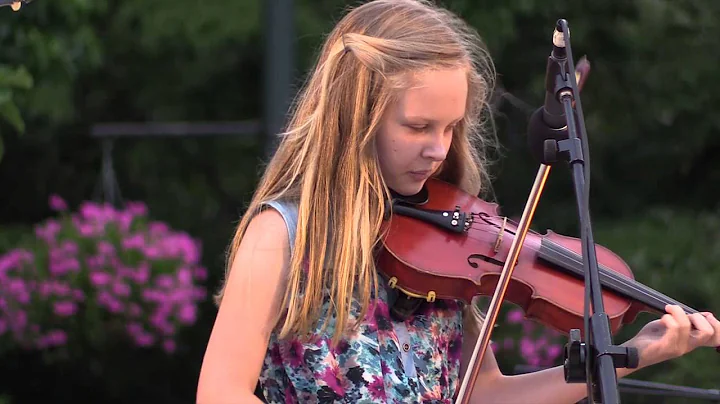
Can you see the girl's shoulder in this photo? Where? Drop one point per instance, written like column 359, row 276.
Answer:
column 288, row 210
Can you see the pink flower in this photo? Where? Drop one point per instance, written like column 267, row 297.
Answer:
column 153, row 252
column 136, row 208
column 146, row 279
column 55, row 338
column 63, row 265
column 97, row 213
column 134, row 328
column 199, row 293
column 61, row 288
column 121, row 289
column 78, row 295
column 143, row 273
column 158, row 228
column 184, row 276
column 69, row 247
column 48, row 231
column 105, row 248
column 18, row 289
column 64, row 309
column 169, row 346
column 45, row 289
column 153, row 295
column 187, row 314
column 553, row 351
column 18, row 320
column 99, row 278
column 200, row 273
column 331, row 378
column 515, row 316
column 528, row 327
column 89, row 230
column 160, row 322
column 57, row 203
column 124, row 220
column 108, row 301
column 165, row 281
column 527, row 347
column 134, row 310
column 144, row 339
column 377, row 388
column 95, row 262
column 136, row 241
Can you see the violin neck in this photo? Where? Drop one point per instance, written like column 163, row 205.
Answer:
column 571, row 263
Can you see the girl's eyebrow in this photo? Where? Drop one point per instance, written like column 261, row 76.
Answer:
column 420, row 118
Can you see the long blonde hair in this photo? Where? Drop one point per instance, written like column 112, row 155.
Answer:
column 326, row 161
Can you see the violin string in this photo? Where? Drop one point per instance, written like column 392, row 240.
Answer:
column 625, row 281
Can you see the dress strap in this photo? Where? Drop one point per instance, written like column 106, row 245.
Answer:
column 289, row 212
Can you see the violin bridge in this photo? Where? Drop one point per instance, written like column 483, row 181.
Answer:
column 498, row 241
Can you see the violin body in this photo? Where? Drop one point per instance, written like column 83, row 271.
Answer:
column 427, row 261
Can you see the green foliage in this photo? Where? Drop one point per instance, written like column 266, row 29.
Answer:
column 651, row 101
column 185, row 60
column 677, row 253
column 54, row 55
column 11, row 79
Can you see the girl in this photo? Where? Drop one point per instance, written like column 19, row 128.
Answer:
column 399, row 94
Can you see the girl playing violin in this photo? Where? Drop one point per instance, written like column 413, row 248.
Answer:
column 399, row 94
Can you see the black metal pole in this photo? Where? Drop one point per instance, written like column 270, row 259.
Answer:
column 279, row 68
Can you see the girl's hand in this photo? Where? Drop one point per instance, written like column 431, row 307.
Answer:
column 674, row 335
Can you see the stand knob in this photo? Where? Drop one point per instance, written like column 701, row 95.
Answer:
column 575, row 356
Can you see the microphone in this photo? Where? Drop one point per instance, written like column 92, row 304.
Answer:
column 14, row 4
column 548, row 124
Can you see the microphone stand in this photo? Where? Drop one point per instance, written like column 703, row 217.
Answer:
column 483, row 340
column 594, row 361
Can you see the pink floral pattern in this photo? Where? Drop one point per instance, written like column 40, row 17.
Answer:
column 367, row 366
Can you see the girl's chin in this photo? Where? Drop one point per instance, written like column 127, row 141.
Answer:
column 409, row 188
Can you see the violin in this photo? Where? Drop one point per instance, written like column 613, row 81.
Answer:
column 447, row 244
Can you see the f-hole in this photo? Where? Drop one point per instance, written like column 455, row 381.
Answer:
column 482, row 257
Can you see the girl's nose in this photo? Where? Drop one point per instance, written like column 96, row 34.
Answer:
column 437, row 146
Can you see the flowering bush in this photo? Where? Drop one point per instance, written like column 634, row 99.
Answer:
column 94, row 275
column 536, row 345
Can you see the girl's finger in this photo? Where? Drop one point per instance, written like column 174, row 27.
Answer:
column 703, row 329
column 679, row 316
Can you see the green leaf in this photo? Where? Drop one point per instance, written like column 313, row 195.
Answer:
column 5, row 95
column 11, row 113
column 15, row 77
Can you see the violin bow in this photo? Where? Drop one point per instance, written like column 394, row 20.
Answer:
column 582, row 69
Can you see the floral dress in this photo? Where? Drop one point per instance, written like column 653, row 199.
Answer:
column 384, row 361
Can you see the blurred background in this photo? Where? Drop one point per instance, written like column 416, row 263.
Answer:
column 132, row 134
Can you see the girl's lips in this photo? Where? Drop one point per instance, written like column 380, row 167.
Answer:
column 420, row 175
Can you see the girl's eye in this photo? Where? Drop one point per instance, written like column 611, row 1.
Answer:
column 418, row 128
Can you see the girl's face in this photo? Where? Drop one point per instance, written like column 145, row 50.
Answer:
column 415, row 134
